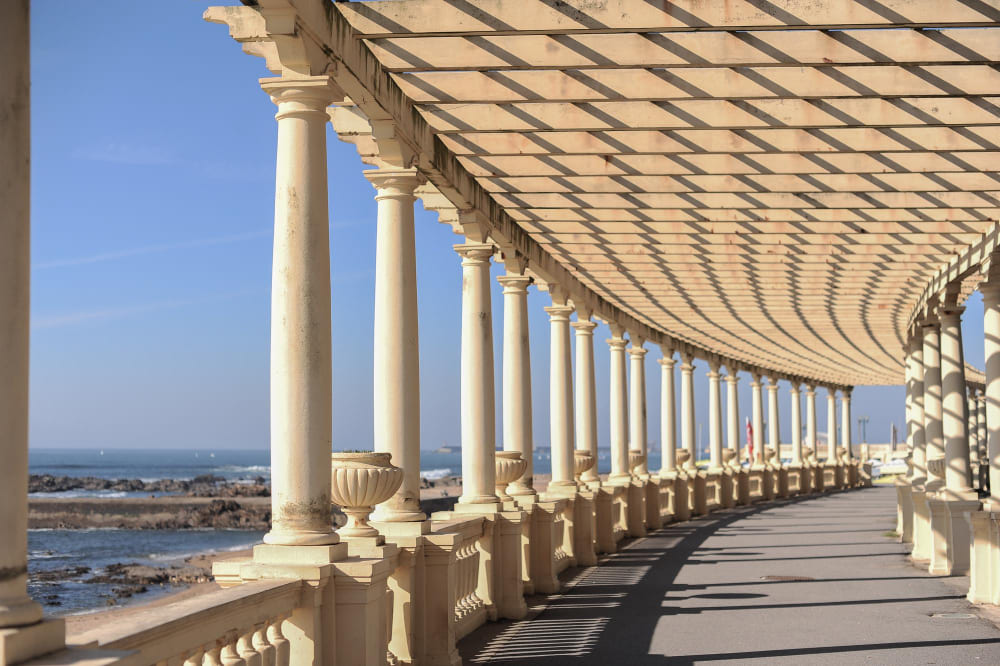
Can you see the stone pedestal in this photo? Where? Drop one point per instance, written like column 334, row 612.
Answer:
column 741, row 482
column 726, row 497
column 793, row 475
column 984, row 566
column 636, row 509
column 819, row 478
column 435, row 636
column 360, row 597
column 951, row 537
column 904, row 510
column 651, row 488
column 544, row 564
column 921, row 524
column 680, row 507
column 781, row 476
column 19, row 644
column 766, row 481
column 585, row 529
column 604, row 519
column 697, row 495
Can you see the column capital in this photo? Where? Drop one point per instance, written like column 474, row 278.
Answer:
column 617, row 344
column 301, row 95
column 584, row 326
column 772, row 383
column 394, row 183
column 794, row 388
column 951, row 313
column 515, row 284
column 667, row 362
column 639, row 352
column 755, row 379
column 475, row 253
column 559, row 312
column 732, row 377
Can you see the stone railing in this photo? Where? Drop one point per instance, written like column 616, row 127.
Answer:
column 241, row 624
column 470, row 608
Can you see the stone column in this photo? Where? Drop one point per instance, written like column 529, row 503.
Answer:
column 396, row 350
column 773, row 424
column 831, row 426
column 637, row 402
column 560, row 396
column 973, row 425
column 811, row 439
column 733, row 414
column 16, row 607
column 917, row 444
column 477, row 407
column 517, row 434
column 981, row 423
column 796, row 424
column 991, row 335
column 668, row 416
column 953, row 404
column 933, row 434
column 618, row 416
column 586, row 395
column 715, row 414
column 301, row 371
column 757, row 413
column 845, row 421
column 687, row 411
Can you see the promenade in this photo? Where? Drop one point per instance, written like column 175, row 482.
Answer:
column 810, row 581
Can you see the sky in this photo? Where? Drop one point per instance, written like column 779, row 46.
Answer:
column 153, row 153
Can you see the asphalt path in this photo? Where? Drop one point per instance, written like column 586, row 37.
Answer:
column 808, row 581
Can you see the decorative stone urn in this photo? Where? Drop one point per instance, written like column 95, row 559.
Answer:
column 841, row 453
column 936, row 468
column 682, row 456
column 360, row 481
column 768, row 453
column 582, row 461
column 635, row 458
column 509, row 468
column 807, row 455
column 728, row 456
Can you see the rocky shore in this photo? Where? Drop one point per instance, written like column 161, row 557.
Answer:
column 200, row 486
column 159, row 513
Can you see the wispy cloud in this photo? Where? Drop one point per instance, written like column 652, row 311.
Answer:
column 71, row 318
column 150, row 249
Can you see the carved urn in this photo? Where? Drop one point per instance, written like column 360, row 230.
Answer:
column 582, row 461
column 635, row 458
column 509, row 467
column 360, row 481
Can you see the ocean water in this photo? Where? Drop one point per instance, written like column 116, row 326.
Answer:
column 51, row 553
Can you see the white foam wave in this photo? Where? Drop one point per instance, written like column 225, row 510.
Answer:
column 81, row 494
column 439, row 473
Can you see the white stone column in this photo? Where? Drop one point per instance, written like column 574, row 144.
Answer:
column 972, row 401
column 831, row 426
column 757, row 423
column 586, row 394
column 933, row 434
column 991, row 341
column 560, row 396
column 954, row 422
column 687, row 411
column 478, row 411
column 733, row 413
column 917, row 444
column 637, row 402
column 773, row 424
column 981, row 424
column 796, row 423
column 668, row 414
column 715, row 414
column 517, row 421
column 811, row 438
column 396, row 349
column 618, row 416
column 301, row 371
column 845, row 421
column 16, row 607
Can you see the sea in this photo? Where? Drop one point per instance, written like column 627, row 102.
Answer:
column 53, row 550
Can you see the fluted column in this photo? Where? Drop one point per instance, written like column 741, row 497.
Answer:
column 845, row 421
column 687, row 411
column 733, row 413
column 811, row 439
column 396, row 350
column 668, row 414
column 954, row 423
column 477, row 407
column 973, row 425
column 773, row 424
column 301, row 371
column 715, row 414
column 796, row 423
column 991, row 339
column 586, row 394
column 917, row 444
column 831, row 426
column 16, row 607
column 933, row 434
column 517, row 421
column 618, row 416
column 637, row 402
column 757, row 414
column 560, row 397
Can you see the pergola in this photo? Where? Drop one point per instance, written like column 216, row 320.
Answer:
column 775, row 183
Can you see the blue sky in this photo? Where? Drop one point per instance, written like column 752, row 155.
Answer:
column 152, row 174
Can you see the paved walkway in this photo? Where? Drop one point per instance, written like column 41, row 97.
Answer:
column 813, row 581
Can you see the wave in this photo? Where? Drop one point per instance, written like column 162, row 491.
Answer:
column 81, row 494
column 439, row 473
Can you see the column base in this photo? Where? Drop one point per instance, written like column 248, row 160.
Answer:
column 950, row 535
column 19, row 644
column 651, row 488
column 904, row 510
